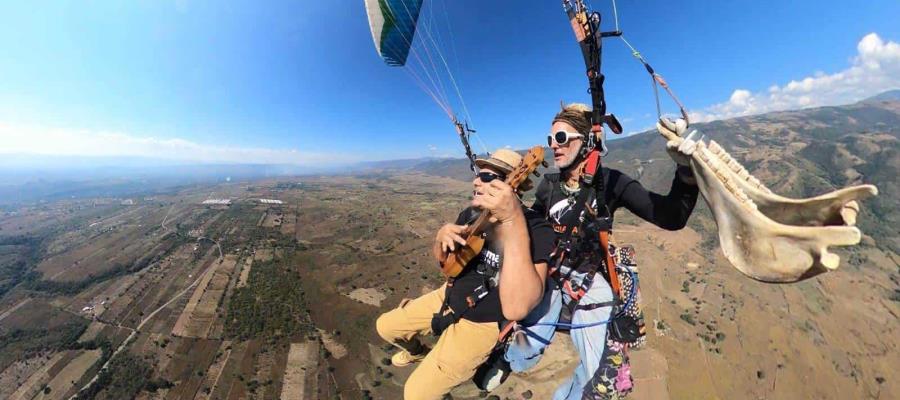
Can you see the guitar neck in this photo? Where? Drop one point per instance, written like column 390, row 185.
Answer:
column 480, row 223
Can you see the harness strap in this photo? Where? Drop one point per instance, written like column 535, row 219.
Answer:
column 506, row 327
column 593, row 160
column 575, row 295
column 447, row 316
column 479, row 293
column 595, row 306
column 581, row 289
column 535, row 336
column 610, row 264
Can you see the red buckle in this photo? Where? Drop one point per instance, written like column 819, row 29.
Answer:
column 506, row 330
column 590, row 168
column 573, row 294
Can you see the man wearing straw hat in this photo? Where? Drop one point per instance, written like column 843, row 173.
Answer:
column 503, row 283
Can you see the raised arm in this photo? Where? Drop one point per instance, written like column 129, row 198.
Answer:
column 670, row 211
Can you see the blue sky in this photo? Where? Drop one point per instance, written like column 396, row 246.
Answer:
column 300, row 82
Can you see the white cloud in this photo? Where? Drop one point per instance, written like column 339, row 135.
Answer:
column 63, row 142
column 875, row 69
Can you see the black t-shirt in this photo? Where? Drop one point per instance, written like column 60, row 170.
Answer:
column 484, row 269
column 669, row 212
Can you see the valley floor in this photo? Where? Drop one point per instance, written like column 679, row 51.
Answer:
column 182, row 300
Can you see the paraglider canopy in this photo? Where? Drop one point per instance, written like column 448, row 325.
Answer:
column 393, row 24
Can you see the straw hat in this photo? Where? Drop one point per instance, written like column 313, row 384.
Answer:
column 505, row 161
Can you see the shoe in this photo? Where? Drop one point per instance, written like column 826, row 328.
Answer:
column 492, row 378
column 492, row 373
column 404, row 358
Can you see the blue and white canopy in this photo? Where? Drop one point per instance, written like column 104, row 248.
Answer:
column 393, row 25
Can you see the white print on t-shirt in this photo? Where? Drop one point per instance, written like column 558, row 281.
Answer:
column 489, row 264
column 490, row 259
column 561, row 208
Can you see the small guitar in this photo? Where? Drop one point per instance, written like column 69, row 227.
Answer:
column 457, row 260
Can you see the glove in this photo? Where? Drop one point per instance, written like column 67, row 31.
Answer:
column 679, row 148
column 670, row 129
column 681, row 152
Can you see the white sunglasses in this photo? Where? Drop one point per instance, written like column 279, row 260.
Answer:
column 562, row 137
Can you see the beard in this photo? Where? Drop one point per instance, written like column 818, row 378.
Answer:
column 568, row 160
column 565, row 163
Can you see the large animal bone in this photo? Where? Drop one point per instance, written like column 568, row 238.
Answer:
column 768, row 237
column 839, row 207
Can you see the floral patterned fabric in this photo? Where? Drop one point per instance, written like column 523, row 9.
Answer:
column 626, row 267
column 612, row 379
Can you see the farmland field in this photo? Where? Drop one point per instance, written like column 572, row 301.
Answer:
column 180, row 300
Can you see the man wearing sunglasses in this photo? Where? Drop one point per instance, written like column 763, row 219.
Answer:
column 467, row 312
column 600, row 374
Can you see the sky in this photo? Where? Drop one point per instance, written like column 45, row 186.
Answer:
column 300, row 82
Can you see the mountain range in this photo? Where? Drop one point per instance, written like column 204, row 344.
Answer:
column 800, row 153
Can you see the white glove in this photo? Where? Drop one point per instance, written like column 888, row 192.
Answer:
column 682, row 152
column 668, row 128
column 679, row 149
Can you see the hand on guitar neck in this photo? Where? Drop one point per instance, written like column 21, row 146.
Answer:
column 499, row 200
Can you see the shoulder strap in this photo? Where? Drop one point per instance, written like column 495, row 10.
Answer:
column 592, row 178
column 610, row 264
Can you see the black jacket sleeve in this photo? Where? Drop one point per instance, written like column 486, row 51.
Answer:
column 669, row 212
column 542, row 236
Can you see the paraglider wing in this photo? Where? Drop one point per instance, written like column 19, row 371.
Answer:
column 393, row 24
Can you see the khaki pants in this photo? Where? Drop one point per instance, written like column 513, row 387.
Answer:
column 462, row 347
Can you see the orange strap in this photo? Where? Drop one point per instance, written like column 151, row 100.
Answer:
column 506, row 330
column 610, row 264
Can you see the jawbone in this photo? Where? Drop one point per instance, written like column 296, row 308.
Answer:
column 768, row 237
